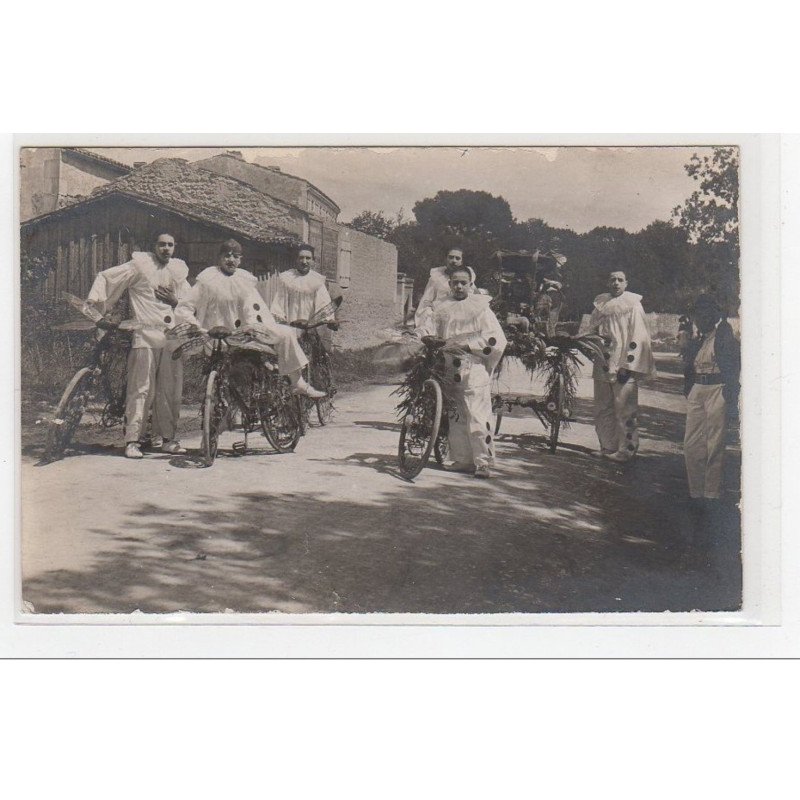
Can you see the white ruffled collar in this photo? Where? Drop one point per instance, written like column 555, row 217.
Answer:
column 607, row 304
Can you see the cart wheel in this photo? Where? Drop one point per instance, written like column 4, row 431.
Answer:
column 68, row 414
column 213, row 414
column 420, row 429
column 555, row 415
column 497, row 407
column 441, row 448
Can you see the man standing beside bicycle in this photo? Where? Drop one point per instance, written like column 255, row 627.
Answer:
column 618, row 317
column 155, row 282
column 225, row 296
column 474, row 342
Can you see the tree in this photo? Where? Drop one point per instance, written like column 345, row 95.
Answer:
column 375, row 223
column 711, row 214
column 476, row 221
column 710, row 219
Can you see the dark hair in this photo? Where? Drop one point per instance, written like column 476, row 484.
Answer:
column 454, row 247
column 305, row 247
column 230, row 246
column 160, row 232
column 463, row 268
column 707, row 303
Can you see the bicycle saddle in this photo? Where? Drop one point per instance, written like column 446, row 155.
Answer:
column 219, row 332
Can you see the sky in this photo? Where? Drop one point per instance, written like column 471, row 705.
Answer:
column 574, row 187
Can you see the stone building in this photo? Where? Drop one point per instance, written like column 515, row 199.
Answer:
column 207, row 201
column 52, row 177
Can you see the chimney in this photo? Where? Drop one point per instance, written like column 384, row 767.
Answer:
column 235, row 154
column 137, row 164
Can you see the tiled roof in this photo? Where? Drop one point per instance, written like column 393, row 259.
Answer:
column 176, row 184
column 97, row 157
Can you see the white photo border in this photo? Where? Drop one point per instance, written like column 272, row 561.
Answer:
column 758, row 626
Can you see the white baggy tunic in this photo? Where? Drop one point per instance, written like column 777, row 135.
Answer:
column 468, row 377
column 233, row 302
column 622, row 323
column 299, row 297
column 155, row 380
column 436, row 290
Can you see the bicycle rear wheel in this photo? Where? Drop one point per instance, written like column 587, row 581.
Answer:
column 420, row 429
column 320, row 377
column 213, row 413
column 68, row 414
column 280, row 414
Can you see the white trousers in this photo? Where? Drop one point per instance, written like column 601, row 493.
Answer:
column 616, row 409
column 290, row 355
column 155, row 383
column 470, row 435
column 704, row 441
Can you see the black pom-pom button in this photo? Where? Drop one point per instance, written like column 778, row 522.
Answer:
column 630, row 358
column 237, row 324
column 456, row 362
column 632, row 345
column 256, row 306
column 258, row 317
column 487, row 351
column 492, row 341
column 167, row 319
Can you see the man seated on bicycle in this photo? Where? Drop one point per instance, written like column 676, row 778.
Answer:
column 474, row 343
column 302, row 292
column 155, row 282
column 438, row 286
column 225, row 296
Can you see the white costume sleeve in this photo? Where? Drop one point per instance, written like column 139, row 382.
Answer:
column 638, row 348
column 280, row 302
column 109, row 285
column 321, row 299
column 190, row 304
column 425, row 306
column 255, row 313
column 490, row 342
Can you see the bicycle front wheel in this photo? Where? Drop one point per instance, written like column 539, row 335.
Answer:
column 68, row 414
column 420, row 429
column 280, row 414
column 213, row 413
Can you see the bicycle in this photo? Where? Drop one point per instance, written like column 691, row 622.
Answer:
column 99, row 386
column 425, row 420
column 242, row 375
column 318, row 373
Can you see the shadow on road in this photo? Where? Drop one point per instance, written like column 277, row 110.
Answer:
column 585, row 536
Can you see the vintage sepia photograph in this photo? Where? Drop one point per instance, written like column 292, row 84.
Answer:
column 380, row 380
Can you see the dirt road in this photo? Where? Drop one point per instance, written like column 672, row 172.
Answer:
column 333, row 528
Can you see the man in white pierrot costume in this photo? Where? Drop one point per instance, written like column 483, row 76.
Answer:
column 225, row 296
column 474, row 344
column 618, row 317
column 301, row 292
column 155, row 282
column 438, row 286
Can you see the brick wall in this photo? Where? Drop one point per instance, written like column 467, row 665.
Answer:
column 369, row 305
